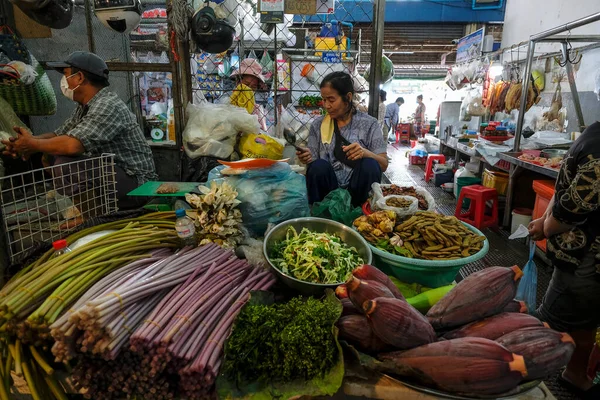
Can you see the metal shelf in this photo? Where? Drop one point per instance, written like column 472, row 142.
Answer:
column 513, row 158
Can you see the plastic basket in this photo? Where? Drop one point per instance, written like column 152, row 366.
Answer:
column 416, row 160
column 430, row 273
column 496, row 180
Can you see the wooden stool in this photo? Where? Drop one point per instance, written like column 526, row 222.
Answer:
column 429, row 166
column 476, row 215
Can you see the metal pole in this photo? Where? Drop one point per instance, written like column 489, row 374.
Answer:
column 526, row 80
column 376, row 54
column 88, row 25
column 574, row 92
column 566, row 27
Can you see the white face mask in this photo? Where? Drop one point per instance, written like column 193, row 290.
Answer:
column 64, row 87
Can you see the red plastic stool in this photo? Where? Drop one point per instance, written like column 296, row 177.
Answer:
column 429, row 166
column 476, row 215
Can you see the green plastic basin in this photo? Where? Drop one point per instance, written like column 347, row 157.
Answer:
column 430, row 273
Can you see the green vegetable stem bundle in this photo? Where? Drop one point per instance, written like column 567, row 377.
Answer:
column 282, row 342
column 35, row 298
column 315, row 257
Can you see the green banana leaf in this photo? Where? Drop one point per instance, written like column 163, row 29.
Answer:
column 327, row 385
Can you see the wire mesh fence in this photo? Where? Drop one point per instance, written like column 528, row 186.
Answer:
column 294, row 57
column 45, row 204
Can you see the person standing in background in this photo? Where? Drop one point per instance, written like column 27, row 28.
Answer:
column 381, row 116
column 419, row 116
column 392, row 115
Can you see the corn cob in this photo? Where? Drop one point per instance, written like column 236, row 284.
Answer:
column 545, row 350
column 482, row 294
column 370, row 273
column 360, row 291
column 468, row 366
column 398, row 324
column 494, row 327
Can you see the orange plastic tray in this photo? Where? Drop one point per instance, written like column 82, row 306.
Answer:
column 252, row 163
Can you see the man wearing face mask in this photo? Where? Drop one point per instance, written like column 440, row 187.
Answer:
column 101, row 123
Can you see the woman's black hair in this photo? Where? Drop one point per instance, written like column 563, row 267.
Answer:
column 383, row 95
column 342, row 83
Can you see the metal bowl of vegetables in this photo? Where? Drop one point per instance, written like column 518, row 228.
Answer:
column 312, row 254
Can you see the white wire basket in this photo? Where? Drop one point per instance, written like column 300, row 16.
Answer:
column 45, row 204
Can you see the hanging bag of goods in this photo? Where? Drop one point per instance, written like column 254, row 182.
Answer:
column 23, row 82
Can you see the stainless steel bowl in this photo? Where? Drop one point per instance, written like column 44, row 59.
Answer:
column 348, row 236
column 551, row 153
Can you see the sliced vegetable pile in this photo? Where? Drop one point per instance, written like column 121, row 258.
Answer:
column 315, row 257
column 425, row 235
column 310, row 101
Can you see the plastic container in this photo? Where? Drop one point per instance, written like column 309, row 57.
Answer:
column 462, row 171
column 185, row 228
column 60, row 248
column 544, row 190
column 461, row 183
column 496, row 180
column 428, row 273
column 520, row 216
column 416, row 160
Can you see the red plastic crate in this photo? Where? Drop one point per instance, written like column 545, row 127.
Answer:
column 416, row 160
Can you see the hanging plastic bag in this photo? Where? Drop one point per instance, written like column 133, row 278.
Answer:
column 411, row 209
column 211, row 129
column 337, row 206
column 269, row 195
column 527, row 290
column 267, row 65
column 260, row 146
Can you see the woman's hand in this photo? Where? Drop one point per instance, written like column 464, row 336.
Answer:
column 354, row 151
column 536, row 229
column 304, row 156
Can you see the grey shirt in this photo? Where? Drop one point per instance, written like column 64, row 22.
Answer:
column 392, row 114
column 362, row 129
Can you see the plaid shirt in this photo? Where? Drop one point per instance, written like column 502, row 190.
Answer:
column 106, row 125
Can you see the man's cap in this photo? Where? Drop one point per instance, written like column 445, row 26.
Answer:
column 84, row 61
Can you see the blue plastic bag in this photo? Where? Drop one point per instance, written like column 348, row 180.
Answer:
column 527, row 290
column 269, row 195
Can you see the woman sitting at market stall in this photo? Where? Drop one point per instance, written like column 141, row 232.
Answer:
column 250, row 79
column 345, row 148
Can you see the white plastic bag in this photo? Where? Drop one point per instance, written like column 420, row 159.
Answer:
column 211, row 129
column 401, row 212
column 377, row 194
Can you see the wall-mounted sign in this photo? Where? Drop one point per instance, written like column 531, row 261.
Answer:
column 325, row 6
column 271, row 11
column 470, row 46
column 301, row 7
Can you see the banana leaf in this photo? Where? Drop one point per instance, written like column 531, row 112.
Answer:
column 327, row 385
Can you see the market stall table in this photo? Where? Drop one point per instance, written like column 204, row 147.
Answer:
column 516, row 167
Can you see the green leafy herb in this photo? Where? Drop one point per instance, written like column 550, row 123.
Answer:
column 315, row 257
column 283, row 342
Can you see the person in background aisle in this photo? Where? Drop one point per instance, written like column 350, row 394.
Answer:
column 392, row 115
column 419, row 116
column 345, row 148
column 250, row 79
column 571, row 224
column 382, row 110
column 101, row 123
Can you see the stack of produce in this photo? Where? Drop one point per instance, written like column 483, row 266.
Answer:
column 171, row 316
column 425, row 235
column 218, row 218
column 487, row 350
